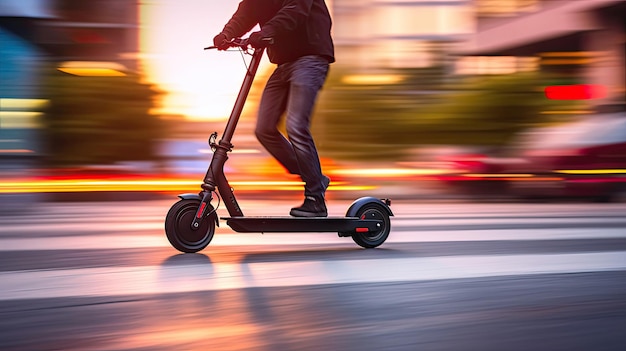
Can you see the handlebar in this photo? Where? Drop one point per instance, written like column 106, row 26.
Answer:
column 241, row 43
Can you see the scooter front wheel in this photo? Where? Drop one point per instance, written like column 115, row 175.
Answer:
column 178, row 226
column 373, row 239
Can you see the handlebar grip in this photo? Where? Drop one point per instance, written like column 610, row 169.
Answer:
column 238, row 42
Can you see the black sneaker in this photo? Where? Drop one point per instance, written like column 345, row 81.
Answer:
column 312, row 207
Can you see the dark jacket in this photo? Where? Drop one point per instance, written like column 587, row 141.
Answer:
column 299, row 27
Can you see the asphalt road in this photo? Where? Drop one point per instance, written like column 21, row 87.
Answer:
column 452, row 276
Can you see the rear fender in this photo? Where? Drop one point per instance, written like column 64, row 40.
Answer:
column 360, row 202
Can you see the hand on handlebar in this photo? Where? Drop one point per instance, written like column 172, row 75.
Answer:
column 255, row 40
column 221, row 42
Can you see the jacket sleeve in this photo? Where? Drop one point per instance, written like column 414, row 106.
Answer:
column 242, row 21
column 292, row 13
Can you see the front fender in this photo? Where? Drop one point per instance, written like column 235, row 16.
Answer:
column 190, row 196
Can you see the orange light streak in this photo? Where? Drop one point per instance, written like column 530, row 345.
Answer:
column 156, row 185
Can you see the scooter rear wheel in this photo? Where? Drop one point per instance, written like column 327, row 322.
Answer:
column 178, row 227
column 373, row 239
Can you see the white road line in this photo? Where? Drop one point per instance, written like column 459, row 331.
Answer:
column 225, row 237
column 117, row 281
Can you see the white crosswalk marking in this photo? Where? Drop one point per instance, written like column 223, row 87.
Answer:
column 57, row 232
column 221, row 276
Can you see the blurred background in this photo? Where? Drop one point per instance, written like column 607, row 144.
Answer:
column 476, row 117
column 427, row 98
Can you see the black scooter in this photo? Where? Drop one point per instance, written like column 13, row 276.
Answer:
column 190, row 222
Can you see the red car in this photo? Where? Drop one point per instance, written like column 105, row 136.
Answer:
column 584, row 159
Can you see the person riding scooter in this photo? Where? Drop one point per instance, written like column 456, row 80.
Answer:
column 302, row 48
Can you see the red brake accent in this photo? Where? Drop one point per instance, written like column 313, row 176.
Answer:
column 201, row 210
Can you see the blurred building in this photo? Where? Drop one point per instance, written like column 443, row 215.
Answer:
column 94, row 31
column 583, row 39
column 375, row 34
column 20, row 59
column 75, row 36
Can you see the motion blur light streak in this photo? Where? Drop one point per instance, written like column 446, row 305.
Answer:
column 21, row 113
column 156, row 185
column 533, row 179
column 592, row 171
column 92, row 69
column 504, row 175
column 572, row 54
column 92, row 72
column 575, row 92
column 173, row 183
column 22, row 104
column 566, row 112
column 498, row 177
column 373, row 79
column 20, row 119
column 16, row 151
column 390, row 172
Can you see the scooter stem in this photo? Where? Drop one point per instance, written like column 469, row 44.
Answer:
column 243, row 95
column 215, row 177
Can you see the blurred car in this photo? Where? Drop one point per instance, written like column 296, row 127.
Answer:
column 583, row 159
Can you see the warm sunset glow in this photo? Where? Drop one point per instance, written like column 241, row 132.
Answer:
column 200, row 84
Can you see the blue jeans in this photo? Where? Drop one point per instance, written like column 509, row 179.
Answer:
column 293, row 88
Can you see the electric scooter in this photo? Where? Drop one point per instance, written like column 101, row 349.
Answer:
column 190, row 223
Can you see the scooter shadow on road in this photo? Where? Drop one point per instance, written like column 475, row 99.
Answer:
column 259, row 255
column 186, row 259
column 318, row 254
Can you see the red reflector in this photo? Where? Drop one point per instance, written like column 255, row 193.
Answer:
column 199, row 214
column 575, row 92
column 362, row 230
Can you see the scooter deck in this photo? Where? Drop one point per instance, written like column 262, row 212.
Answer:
column 302, row 224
